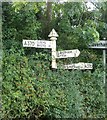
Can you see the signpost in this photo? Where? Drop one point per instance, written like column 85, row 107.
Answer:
column 101, row 45
column 57, row 54
column 68, row 53
column 79, row 65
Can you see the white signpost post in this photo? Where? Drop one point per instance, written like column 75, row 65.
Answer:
column 53, row 37
column 101, row 45
column 57, row 54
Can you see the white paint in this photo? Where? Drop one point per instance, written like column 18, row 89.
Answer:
column 67, row 53
column 60, row 54
column 37, row 43
column 80, row 65
column 44, row 44
column 53, row 37
column 53, row 33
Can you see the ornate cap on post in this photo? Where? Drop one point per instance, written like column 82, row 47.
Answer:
column 53, row 33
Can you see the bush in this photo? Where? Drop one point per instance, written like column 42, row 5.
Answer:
column 31, row 89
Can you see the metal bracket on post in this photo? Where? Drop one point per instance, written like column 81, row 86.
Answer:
column 53, row 37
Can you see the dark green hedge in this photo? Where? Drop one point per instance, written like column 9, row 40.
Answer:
column 30, row 88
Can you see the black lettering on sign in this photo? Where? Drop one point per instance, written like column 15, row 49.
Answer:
column 31, row 43
column 61, row 54
column 25, row 43
column 88, row 65
column 41, row 44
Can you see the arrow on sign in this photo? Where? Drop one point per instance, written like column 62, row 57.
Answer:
column 80, row 65
column 68, row 53
column 37, row 43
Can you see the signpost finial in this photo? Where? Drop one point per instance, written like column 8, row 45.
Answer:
column 53, row 33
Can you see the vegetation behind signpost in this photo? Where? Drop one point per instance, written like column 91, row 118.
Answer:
column 30, row 88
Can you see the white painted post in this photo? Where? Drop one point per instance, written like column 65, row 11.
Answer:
column 53, row 37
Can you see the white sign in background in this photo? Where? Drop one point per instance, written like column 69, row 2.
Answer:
column 102, row 44
column 99, row 45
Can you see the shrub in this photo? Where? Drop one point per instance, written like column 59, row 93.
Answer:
column 31, row 89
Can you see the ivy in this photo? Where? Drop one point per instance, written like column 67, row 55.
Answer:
column 31, row 89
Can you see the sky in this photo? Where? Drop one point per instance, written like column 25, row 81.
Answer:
column 90, row 6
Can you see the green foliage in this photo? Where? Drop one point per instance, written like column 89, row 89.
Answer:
column 75, row 25
column 40, row 92
column 22, row 23
column 31, row 89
